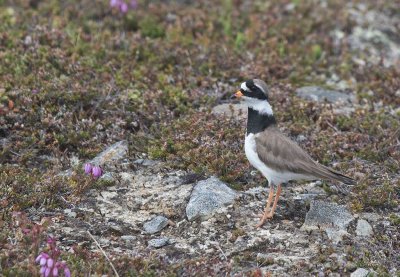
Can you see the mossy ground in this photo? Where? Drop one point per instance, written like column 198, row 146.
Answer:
column 76, row 76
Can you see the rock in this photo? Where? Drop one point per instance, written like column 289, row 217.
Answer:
column 159, row 242
column 28, row 40
column 371, row 217
column 376, row 43
column 238, row 111
column 70, row 213
column 112, row 154
column 128, row 238
column 330, row 217
column 104, row 241
column 360, row 272
column 374, row 37
column 364, row 229
column 301, row 138
column 208, row 196
column 350, row 266
column 319, row 94
column 308, row 191
column 108, row 176
column 335, row 235
column 155, row 225
column 343, row 110
column 145, row 162
column 140, row 196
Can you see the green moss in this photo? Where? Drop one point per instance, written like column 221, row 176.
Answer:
column 150, row 27
column 316, row 51
column 394, row 219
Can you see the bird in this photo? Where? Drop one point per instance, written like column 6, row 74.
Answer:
column 276, row 156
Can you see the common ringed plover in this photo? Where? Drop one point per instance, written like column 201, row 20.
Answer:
column 277, row 157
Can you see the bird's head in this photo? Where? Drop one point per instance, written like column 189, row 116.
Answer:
column 254, row 94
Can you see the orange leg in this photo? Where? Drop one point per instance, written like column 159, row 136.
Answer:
column 278, row 193
column 268, row 214
column 264, row 217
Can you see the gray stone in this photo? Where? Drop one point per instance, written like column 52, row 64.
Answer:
column 128, row 238
column 319, row 94
column 360, row 272
column 70, row 213
column 145, row 162
column 238, row 111
column 159, row 242
column 155, row 225
column 112, row 154
column 330, row 217
column 108, row 176
column 371, row 217
column 373, row 39
column 140, row 196
column 364, row 229
column 335, row 235
column 343, row 110
column 104, row 241
column 207, row 197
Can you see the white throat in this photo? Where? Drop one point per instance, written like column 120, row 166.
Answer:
column 262, row 106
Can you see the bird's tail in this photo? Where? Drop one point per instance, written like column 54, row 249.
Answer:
column 340, row 177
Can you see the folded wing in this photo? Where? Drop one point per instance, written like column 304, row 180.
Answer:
column 283, row 155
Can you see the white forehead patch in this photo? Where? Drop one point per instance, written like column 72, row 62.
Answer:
column 244, row 87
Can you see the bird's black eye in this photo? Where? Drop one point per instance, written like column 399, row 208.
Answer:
column 250, row 85
column 255, row 91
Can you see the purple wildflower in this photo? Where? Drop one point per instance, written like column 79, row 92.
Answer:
column 43, row 261
column 123, row 5
column 38, row 258
column 88, row 168
column 47, row 272
column 55, row 272
column 51, row 240
column 114, row 3
column 133, row 4
column 67, row 273
column 50, row 263
column 97, row 171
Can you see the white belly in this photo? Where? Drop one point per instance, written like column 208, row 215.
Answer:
column 273, row 177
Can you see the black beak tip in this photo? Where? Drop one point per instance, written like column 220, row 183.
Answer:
column 233, row 97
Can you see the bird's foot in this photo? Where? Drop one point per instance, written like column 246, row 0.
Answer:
column 264, row 219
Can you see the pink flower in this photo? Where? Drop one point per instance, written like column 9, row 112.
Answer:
column 88, row 168
column 50, row 263
column 114, row 3
column 124, row 7
column 47, row 272
column 133, row 4
column 38, row 258
column 97, row 171
column 51, row 240
column 67, row 273
column 43, row 261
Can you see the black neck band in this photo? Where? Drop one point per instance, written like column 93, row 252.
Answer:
column 257, row 122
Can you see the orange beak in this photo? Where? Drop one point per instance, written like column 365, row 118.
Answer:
column 238, row 94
